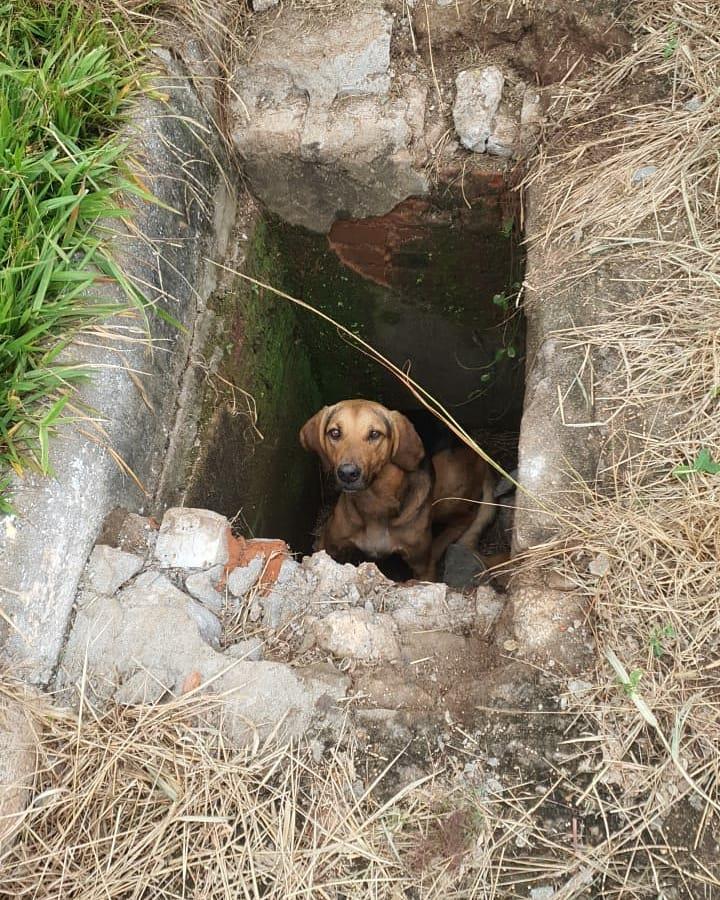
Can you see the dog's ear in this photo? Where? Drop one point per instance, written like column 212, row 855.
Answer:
column 408, row 450
column 311, row 434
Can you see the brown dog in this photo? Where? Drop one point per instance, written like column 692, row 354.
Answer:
column 391, row 493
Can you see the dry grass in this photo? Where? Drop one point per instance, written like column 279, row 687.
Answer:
column 151, row 802
column 652, row 747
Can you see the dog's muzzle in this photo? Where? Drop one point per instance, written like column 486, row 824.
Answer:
column 349, row 477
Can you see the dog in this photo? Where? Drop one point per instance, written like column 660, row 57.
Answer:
column 394, row 493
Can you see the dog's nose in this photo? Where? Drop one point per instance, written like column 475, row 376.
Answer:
column 348, row 473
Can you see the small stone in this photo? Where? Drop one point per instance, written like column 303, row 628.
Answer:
column 357, row 634
column 477, row 98
column 643, row 174
column 578, row 686
column 263, row 5
column 462, row 567
column 250, row 650
column 531, row 112
column 317, row 748
column 600, row 565
column 556, row 581
column 203, row 587
column 192, row 539
column 243, row 578
column 544, row 892
column 694, row 103
column 108, row 569
column 511, row 646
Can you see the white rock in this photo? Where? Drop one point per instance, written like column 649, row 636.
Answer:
column 203, row 587
column 250, row 649
column 600, row 565
column 544, row 892
column 262, row 5
column 531, row 112
column 192, row 539
column 578, row 686
column 108, row 568
column 243, row 578
column 477, row 98
column 357, row 634
column 643, row 174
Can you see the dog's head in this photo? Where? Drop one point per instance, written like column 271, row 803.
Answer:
column 356, row 439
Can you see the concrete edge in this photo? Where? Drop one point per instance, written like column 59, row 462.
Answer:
column 129, row 407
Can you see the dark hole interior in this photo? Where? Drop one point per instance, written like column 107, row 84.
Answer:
column 432, row 286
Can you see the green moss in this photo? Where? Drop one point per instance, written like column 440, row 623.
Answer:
column 262, row 473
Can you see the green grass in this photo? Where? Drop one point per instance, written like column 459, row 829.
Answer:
column 65, row 85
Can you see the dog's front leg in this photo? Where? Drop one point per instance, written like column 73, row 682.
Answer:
column 421, row 562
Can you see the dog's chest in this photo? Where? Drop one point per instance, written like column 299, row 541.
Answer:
column 376, row 540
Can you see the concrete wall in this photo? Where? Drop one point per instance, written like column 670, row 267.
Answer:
column 130, row 405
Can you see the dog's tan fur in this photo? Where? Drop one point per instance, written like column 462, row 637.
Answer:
column 398, row 499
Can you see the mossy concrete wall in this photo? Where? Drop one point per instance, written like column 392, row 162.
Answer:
column 432, row 286
column 432, row 282
column 247, row 462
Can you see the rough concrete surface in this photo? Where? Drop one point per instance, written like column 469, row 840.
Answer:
column 43, row 550
column 315, row 122
column 358, row 634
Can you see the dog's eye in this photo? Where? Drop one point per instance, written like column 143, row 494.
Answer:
column 374, row 435
column 334, row 434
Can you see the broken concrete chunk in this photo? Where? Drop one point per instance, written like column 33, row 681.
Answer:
column 129, row 532
column 203, row 587
column 315, row 122
column 192, row 539
column 243, row 578
column 153, row 633
column 477, row 98
column 108, row 569
column 358, row 634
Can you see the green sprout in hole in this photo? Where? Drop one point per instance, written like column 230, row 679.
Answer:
column 504, row 301
column 630, row 686
column 703, row 464
column 657, row 638
column 672, row 42
column 507, row 228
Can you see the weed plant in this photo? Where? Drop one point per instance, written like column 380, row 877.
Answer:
column 65, row 86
